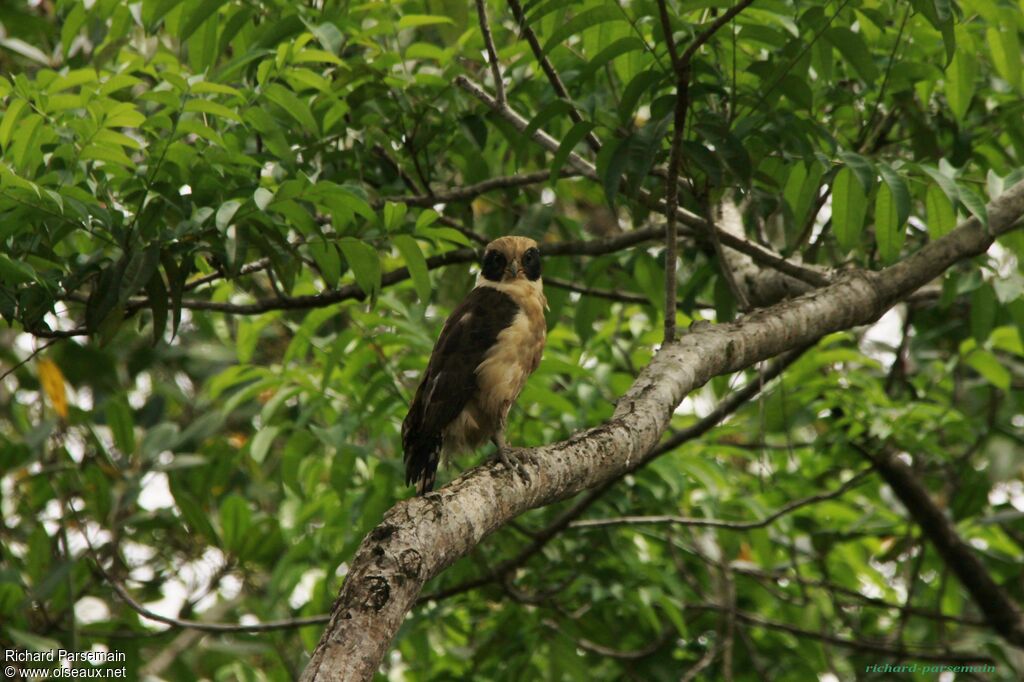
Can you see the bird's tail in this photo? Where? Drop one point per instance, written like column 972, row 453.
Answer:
column 422, row 456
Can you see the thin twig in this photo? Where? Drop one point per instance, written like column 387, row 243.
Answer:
column 672, row 182
column 856, row 480
column 492, row 54
column 286, row 624
column 28, row 358
column 549, row 70
column 611, row 652
column 470, row 192
column 916, row 653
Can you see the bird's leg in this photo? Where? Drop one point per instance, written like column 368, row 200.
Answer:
column 511, row 457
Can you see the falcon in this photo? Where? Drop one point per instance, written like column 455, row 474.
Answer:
column 488, row 347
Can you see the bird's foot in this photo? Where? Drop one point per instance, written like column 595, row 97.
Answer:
column 516, row 459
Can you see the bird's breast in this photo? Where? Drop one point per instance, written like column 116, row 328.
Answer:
column 513, row 357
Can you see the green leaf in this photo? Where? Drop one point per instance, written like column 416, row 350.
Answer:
column 1004, row 45
column 364, row 263
column 119, row 419
column 854, row 50
column 848, row 209
column 888, row 232
column 945, row 182
column 610, row 165
column 426, row 218
column 293, row 106
column 72, row 26
column 862, row 167
column 416, row 264
column 327, row 259
column 974, row 203
column 417, row 20
column 261, row 443
column 616, row 49
column 226, row 212
column 14, row 110
column 941, row 216
column 569, row 142
column 984, row 308
column 13, row 272
column 394, row 214
column 158, row 304
column 641, row 83
column 900, row 192
column 262, row 198
column 582, row 21
column 205, row 106
column 195, row 14
column 32, row 642
column 960, row 79
column 235, row 522
column 140, row 268
column 988, row 366
column 559, row 107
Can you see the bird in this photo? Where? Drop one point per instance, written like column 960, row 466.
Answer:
column 488, row 347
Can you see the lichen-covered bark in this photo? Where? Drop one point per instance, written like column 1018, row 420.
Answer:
column 419, row 537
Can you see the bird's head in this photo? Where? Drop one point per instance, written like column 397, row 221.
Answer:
column 510, row 258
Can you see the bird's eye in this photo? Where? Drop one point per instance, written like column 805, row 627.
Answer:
column 531, row 263
column 493, row 265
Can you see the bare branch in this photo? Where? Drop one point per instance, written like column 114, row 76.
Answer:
column 705, row 35
column 492, row 54
column 28, row 358
column 203, row 626
column 672, row 182
column 612, row 652
column 856, row 480
column 549, row 70
column 470, row 192
column 902, row 653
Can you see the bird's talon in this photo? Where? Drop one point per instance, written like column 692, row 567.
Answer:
column 512, row 459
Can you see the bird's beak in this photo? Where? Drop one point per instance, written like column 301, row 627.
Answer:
column 513, row 268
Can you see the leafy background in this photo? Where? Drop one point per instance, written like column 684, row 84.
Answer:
column 206, row 209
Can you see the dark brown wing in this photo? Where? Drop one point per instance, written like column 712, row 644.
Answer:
column 450, row 379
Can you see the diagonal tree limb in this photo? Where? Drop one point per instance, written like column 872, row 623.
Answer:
column 421, row 536
column 549, row 70
column 1000, row 611
column 492, row 53
column 541, row 538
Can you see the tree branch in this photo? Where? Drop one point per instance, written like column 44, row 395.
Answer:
column 421, row 536
column 1001, row 612
column 856, row 480
column 492, row 54
column 541, row 538
column 672, row 181
column 549, row 70
column 470, row 192
column 916, row 653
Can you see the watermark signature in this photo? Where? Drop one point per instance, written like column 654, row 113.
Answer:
column 20, row 664
column 929, row 668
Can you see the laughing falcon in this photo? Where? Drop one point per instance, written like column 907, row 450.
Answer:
column 489, row 345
